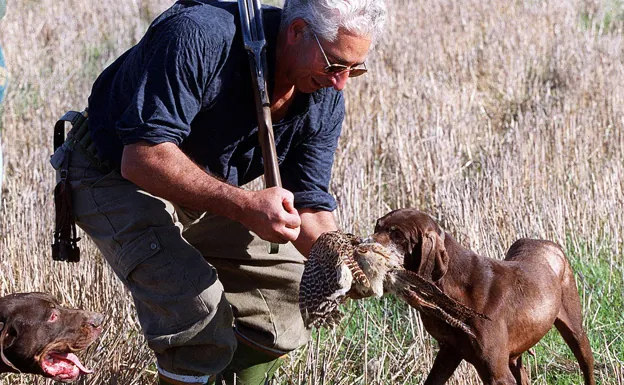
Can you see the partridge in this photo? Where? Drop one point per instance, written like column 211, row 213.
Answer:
column 341, row 265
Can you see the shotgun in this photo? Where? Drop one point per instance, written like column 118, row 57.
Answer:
column 253, row 37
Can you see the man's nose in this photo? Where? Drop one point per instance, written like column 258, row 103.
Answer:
column 339, row 80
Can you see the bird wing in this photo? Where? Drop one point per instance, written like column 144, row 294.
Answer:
column 429, row 299
column 328, row 275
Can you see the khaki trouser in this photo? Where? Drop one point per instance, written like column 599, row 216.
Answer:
column 192, row 277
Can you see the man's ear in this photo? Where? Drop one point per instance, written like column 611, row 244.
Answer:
column 432, row 255
column 295, row 32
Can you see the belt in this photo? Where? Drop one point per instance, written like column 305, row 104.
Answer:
column 79, row 138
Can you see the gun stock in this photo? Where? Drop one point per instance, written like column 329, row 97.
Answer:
column 253, row 37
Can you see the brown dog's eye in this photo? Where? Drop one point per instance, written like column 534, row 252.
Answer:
column 395, row 233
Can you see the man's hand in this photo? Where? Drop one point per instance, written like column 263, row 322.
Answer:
column 313, row 224
column 272, row 216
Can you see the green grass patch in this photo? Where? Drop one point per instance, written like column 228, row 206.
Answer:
column 608, row 20
column 373, row 344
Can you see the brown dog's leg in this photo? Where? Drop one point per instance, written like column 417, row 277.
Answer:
column 503, row 378
column 571, row 330
column 579, row 344
column 444, row 365
column 569, row 323
column 519, row 371
column 493, row 364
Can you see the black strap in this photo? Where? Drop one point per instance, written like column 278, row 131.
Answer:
column 59, row 127
column 65, row 246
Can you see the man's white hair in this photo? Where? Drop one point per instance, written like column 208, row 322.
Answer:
column 326, row 17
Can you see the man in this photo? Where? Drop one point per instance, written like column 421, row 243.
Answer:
column 173, row 122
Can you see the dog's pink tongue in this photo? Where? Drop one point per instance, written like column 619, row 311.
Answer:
column 71, row 357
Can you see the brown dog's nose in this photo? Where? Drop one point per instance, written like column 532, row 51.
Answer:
column 96, row 319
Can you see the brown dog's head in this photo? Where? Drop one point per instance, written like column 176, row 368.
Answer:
column 39, row 336
column 415, row 236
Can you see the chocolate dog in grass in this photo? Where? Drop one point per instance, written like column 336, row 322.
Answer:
column 522, row 296
column 39, row 336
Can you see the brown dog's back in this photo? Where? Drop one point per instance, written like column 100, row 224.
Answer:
column 537, row 251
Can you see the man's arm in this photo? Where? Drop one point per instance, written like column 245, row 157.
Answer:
column 313, row 224
column 165, row 171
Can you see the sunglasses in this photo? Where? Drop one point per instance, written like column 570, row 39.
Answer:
column 355, row 70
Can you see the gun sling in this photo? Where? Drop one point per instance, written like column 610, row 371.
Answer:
column 65, row 246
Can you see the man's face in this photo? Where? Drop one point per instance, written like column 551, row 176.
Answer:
column 309, row 74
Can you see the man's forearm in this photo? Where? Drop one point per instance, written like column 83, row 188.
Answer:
column 165, row 171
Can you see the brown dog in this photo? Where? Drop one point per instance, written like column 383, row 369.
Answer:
column 39, row 336
column 522, row 295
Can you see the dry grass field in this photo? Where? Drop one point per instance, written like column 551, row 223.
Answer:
column 503, row 119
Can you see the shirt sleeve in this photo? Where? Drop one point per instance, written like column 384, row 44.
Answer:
column 307, row 172
column 180, row 60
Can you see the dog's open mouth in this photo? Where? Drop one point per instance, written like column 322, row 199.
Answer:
column 64, row 367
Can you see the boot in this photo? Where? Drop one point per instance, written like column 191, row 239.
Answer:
column 250, row 366
column 162, row 380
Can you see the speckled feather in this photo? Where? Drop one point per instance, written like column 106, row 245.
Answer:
column 430, row 300
column 329, row 273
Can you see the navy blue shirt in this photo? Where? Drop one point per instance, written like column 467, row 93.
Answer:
column 188, row 82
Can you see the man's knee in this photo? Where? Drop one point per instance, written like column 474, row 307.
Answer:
column 264, row 298
column 198, row 350
column 184, row 313
column 262, row 288
column 180, row 302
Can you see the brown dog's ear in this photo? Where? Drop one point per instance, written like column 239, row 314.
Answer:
column 432, row 255
column 6, row 336
column 6, row 340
